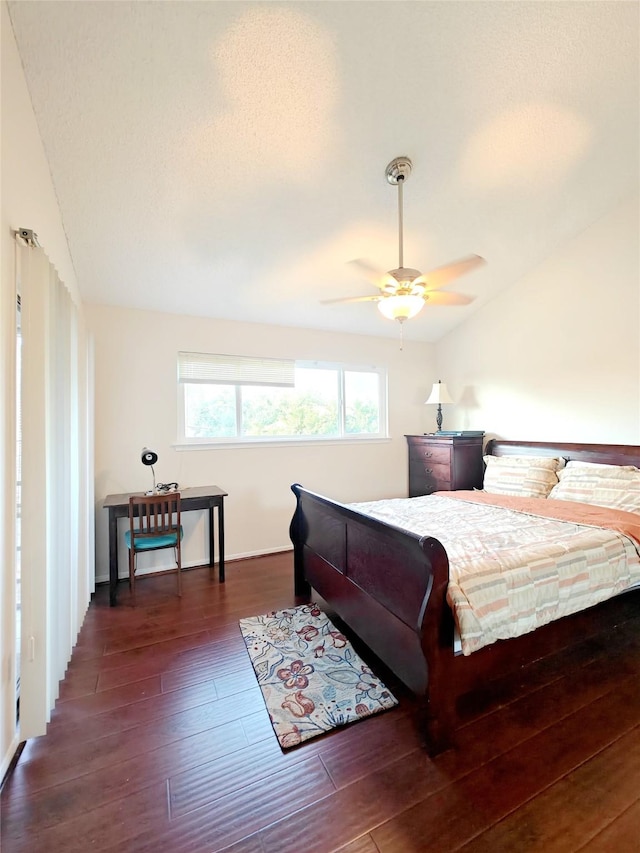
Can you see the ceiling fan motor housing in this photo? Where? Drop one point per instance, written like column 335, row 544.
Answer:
column 405, row 275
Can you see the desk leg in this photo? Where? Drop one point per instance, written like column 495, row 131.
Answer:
column 113, row 558
column 221, row 540
column 212, row 544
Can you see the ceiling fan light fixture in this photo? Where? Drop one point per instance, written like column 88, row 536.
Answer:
column 401, row 307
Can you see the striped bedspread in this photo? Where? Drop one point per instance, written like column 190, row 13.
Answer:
column 518, row 563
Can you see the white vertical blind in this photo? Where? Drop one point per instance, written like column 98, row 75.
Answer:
column 57, row 505
column 9, row 738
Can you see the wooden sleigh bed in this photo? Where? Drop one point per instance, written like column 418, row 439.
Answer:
column 389, row 587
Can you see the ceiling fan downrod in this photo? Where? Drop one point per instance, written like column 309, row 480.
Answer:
column 400, row 226
column 397, row 172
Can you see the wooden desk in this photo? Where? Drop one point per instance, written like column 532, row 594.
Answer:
column 197, row 497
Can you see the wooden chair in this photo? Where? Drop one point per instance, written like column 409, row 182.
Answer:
column 154, row 523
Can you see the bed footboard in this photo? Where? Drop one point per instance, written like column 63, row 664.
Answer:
column 389, row 586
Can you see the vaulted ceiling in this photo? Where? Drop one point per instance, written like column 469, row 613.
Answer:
column 227, row 159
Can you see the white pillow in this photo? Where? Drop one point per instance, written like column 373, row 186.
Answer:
column 524, row 476
column 613, row 486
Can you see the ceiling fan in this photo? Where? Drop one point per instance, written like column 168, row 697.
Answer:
column 405, row 291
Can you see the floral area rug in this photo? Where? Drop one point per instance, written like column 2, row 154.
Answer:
column 311, row 678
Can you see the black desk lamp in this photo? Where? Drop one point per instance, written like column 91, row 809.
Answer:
column 150, row 457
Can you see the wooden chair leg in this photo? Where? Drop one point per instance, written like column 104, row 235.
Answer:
column 132, row 575
column 179, row 565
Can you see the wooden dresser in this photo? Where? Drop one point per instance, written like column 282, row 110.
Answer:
column 444, row 463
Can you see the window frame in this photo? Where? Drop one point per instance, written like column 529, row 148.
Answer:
column 194, row 443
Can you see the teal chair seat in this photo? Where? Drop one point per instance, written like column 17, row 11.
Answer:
column 150, row 543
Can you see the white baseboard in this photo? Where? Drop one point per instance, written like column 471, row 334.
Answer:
column 228, row 558
column 247, row 554
column 8, row 756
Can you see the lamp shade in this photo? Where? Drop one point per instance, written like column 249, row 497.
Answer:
column 400, row 307
column 148, row 457
column 439, row 394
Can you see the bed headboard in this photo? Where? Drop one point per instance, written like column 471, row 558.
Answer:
column 609, row 454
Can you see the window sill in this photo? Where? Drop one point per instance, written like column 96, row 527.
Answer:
column 277, row 442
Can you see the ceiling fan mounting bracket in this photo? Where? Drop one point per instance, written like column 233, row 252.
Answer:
column 398, row 170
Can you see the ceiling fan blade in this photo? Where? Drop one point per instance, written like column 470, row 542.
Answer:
column 380, row 278
column 350, row 299
column 441, row 276
column 368, row 269
column 434, row 297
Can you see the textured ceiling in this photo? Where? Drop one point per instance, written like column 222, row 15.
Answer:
column 227, row 159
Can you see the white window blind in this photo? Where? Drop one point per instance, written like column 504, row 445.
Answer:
column 202, row 367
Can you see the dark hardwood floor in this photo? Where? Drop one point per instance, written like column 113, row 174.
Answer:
column 160, row 742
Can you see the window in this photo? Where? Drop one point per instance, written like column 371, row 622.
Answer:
column 238, row 399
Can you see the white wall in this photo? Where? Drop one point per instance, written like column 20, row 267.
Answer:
column 557, row 356
column 554, row 358
column 29, row 201
column 136, row 405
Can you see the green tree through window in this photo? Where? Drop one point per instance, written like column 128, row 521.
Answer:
column 327, row 401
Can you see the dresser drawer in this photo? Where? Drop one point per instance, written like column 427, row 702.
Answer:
column 428, row 453
column 423, row 482
column 435, row 470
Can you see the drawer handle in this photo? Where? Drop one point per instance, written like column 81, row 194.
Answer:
column 428, row 470
column 428, row 453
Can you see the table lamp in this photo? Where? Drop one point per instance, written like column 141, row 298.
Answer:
column 150, row 457
column 439, row 395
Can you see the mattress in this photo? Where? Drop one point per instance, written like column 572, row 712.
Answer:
column 514, row 566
